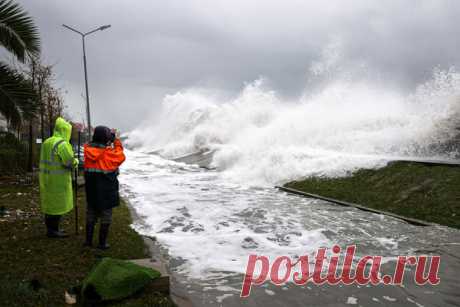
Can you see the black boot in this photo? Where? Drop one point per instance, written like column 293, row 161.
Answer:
column 49, row 225
column 89, row 234
column 52, row 225
column 103, row 234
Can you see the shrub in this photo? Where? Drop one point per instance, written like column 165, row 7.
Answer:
column 13, row 154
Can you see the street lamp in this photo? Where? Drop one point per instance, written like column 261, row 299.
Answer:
column 83, row 35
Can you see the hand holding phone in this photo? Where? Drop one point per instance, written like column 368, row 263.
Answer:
column 113, row 134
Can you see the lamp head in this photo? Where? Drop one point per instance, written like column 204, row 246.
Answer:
column 104, row 27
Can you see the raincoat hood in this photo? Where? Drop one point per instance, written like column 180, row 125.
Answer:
column 62, row 129
column 101, row 135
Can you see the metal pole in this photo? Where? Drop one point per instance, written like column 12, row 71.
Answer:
column 101, row 28
column 88, row 116
column 76, row 183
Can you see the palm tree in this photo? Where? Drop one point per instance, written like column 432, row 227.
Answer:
column 19, row 36
column 17, row 96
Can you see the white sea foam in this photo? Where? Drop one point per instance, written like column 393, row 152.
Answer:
column 348, row 124
column 209, row 222
column 212, row 225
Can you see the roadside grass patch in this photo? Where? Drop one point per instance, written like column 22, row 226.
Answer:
column 36, row 270
column 415, row 190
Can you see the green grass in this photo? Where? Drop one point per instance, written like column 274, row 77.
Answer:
column 36, row 270
column 430, row 193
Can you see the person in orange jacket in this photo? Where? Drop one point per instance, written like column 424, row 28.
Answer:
column 102, row 157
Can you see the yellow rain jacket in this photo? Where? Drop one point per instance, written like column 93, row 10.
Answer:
column 56, row 163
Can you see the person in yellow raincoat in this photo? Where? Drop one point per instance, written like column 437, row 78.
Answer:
column 56, row 163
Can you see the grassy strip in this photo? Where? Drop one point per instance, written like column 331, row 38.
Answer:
column 414, row 190
column 35, row 270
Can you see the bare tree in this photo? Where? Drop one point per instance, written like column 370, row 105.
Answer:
column 48, row 104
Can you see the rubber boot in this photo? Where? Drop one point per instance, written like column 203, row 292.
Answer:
column 103, row 234
column 52, row 224
column 89, row 234
column 49, row 226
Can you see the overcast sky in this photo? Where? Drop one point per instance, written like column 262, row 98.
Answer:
column 158, row 47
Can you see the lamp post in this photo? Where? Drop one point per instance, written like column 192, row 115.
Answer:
column 83, row 35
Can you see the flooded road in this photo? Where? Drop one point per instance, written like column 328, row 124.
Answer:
column 206, row 227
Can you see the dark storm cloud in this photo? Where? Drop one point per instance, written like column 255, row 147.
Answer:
column 159, row 47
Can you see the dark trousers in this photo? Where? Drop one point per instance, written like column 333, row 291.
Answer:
column 52, row 222
column 93, row 215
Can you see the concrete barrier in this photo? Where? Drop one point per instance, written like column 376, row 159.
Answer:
column 202, row 158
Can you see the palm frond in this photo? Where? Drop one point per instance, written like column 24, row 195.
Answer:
column 18, row 33
column 17, row 96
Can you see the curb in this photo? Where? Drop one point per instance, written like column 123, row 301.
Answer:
column 454, row 163
column 360, row 207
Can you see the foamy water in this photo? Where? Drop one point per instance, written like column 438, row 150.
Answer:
column 211, row 225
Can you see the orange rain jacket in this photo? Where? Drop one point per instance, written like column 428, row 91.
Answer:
column 101, row 171
column 103, row 159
